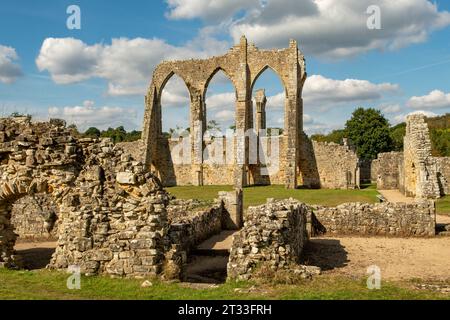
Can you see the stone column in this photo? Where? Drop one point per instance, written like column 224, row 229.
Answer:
column 260, row 117
column 292, row 109
column 243, row 122
column 197, row 131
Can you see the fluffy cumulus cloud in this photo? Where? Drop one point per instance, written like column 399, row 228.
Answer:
column 402, row 117
column 88, row 115
column 127, row 64
column 338, row 28
column 9, row 70
column 390, row 108
column 329, row 28
column 209, row 10
column 321, row 91
column 436, row 99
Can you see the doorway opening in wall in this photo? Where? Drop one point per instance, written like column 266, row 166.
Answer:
column 268, row 122
column 34, row 218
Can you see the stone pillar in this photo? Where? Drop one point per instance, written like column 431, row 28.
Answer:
column 232, row 217
column 260, row 117
column 291, row 120
column 197, row 144
column 243, row 121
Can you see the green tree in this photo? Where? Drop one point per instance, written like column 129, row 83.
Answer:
column 397, row 134
column 369, row 131
column 335, row 136
column 92, row 132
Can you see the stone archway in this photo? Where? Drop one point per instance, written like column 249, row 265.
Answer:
column 11, row 191
column 242, row 64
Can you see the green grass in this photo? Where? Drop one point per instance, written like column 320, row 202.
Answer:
column 51, row 285
column 443, row 205
column 258, row 195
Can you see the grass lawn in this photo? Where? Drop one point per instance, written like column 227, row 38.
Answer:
column 44, row 284
column 258, row 195
column 443, row 205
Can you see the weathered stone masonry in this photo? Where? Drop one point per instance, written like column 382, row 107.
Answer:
column 415, row 172
column 242, row 64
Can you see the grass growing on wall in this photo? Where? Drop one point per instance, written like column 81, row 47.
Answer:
column 44, row 284
column 258, row 195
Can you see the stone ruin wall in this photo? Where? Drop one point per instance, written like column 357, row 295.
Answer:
column 242, row 64
column 385, row 170
column 380, row 219
column 443, row 169
column 415, row 172
column 328, row 165
column 111, row 213
column 420, row 176
column 35, row 218
column 274, row 235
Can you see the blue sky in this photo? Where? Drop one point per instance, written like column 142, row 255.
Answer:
column 97, row 76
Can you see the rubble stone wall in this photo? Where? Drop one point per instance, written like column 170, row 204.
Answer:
column 274, row 234
column 35, row 218
column 112, row 215
column 381, row 219
column 386, row 170
column 419, row 168
column 328, row 165
column 443, row 169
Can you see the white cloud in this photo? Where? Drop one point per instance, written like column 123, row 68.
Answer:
column 224, row 115
column 402, row 117
column 87, row 115
column 436, row 99
column 225, row 100
column 9, row 71
column 208, row 10
column 390, row 108
column 338, row 28
column 127, row 64
column 321, row 91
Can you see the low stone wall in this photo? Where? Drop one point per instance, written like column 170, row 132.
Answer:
column 381, row 219
column 274, row 234
column 191, row 228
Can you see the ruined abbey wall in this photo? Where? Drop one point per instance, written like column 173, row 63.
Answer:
column 328, row 165
column 243, row 64
column 385, row 169
column 415, row 172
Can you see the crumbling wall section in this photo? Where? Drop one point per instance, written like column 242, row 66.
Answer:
column 381, row 219
column 443, row 172
column 274, row 234
column 419, row 168
column 387, row 170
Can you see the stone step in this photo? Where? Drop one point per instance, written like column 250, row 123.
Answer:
column 444, row 234
column 218, row 245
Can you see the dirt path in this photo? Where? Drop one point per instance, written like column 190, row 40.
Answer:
column 398, row 258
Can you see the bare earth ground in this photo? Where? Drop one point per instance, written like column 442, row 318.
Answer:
column 398, row 258
column 35, row 255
